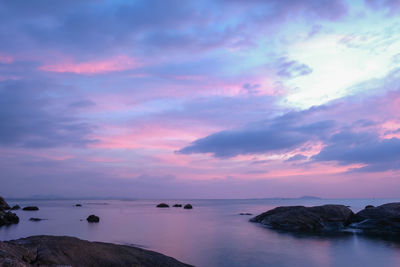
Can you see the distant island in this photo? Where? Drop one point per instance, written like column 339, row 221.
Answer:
column 309, row 197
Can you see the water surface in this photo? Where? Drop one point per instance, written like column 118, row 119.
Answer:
column 212, row 234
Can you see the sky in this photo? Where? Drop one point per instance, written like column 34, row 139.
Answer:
column 200, row 99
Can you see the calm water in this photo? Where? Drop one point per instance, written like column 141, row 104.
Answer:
column 212, row 234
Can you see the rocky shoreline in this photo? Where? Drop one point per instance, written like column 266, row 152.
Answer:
column 382, row 220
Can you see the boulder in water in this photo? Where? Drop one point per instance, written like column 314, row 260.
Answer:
column 384, row 219
column 33, row 219
column 93, row 218
column 30, row 208
column 162, row 205
column 7, row 218
column 188, row 207
column 15, row 207
column 306, row 219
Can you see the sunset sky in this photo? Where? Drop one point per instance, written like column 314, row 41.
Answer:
column 200, row 99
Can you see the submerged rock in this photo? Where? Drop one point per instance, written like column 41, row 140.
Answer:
column 162, row 205
column 188, row 207
column 324, row 218
column 16, row 207
column 35, row 219
column 246, row 213
column 30, row 208
column 7, row 218
column 93, row 218
column 71, row 251
column 78, row 205
column 177, row 205
column 3, row 204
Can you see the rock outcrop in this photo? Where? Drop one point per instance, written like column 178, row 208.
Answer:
column 3, row 204
column 7, row 218
column 162, row 205
column 188, row 207
column 384, row 219
column 70, row 251
column 16, row 207
column 326, row 218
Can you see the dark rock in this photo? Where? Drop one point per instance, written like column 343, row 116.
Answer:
column 177, row 206
column 35, row 219
column 384, row 211
column 30, row 208
column 324, row 218
column 78, row 205
column 162, row 205
column 369, row 206
column 188, row 207
column 3, row 204
column 16, row 207
column 7, row 218
column 245, row 214
column 70, row 251
column 384, row 219
column 93, row 218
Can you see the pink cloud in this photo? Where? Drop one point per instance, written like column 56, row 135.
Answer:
column 6, row 59
column 118, row 63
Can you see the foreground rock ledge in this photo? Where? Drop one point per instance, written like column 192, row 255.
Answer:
column 71, row 251
column 381, row 220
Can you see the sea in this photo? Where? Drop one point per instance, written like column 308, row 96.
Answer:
column 213, row 233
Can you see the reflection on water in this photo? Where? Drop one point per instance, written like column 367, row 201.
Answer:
column 212, row 234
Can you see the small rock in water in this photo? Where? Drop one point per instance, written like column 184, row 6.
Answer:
column 78, row 205
column 30, row 208
column 93, row 218
column 245, row 214
column 35, row 219
column 177, row 206
column 16, row 207
column 188, row 207
column 7, row 218
column 162, row 205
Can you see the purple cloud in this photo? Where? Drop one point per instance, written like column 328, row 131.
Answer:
column 26, row 121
